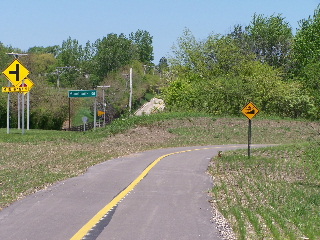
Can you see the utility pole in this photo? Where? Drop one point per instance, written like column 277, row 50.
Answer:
column 130, row 85
column 104, row 104
column 59, row 71
column 130, row 98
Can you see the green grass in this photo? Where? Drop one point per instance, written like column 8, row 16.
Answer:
column 272, row 195
column 278, row 188
column 83, row 110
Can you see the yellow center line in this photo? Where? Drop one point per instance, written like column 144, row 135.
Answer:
column 96, row 219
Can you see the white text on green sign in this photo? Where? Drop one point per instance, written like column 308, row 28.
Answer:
column 82, row 93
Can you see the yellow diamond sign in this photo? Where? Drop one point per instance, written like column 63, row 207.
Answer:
column 250, row 110
column 28, row 84
column 16, row 72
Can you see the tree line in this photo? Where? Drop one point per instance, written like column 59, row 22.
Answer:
column 264, row 62
column 55, row 69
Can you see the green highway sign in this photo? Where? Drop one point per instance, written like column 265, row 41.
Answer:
column 82, row 93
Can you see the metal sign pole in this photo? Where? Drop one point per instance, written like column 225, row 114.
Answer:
column 19, row 111
column 69, row 114
column 22, row 112
column 250, row 111
column 130, row 98
column 95, row 114
column 8, row 112
column 84, row 93
column 104, row 104
column 15, row 72
column 28, row 110
column 249, row 138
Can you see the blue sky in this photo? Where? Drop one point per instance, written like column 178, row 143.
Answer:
column 28, row 23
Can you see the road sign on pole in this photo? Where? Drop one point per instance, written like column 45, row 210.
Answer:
column 82, row 93
column 16, row 72
column 250, row 111
column 27, row 83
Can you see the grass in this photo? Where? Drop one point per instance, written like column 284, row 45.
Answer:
column 83, row 111
column 272, row 195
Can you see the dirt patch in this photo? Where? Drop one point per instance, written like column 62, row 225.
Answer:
column 137, row 139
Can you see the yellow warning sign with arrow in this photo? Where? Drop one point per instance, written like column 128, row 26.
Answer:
column 250, row 110
column 16, row 72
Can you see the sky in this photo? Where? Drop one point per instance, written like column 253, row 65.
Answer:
column 29, row 23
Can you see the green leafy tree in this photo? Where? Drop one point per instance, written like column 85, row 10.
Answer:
column 70, row 53
column 5, row 59
column 163, row 64
column 215, row 56
column 41, row 63
column 306, row 48
column 269, row 38
column 54, row 50
column 86, row 59
column 112, row 52
column 186, row 51
column 69, row 58
column 142, row 41
column 217, row 75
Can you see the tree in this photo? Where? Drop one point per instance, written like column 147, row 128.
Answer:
column 306, row 47
column 112, row 52
column 163, row 64
column 5, row 59
column 270, row 39
column 70, row 53
column 215, row 56
column 87, row 55
column 71, row 57
column 41, row 63
column 142, row 41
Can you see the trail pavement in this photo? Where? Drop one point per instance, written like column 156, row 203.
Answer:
column 170, row 202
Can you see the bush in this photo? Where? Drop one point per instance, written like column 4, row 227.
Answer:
column 227, row 94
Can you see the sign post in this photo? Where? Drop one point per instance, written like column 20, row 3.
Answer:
column 84, row 121
column 104, row 104
column 250, row 111
column 17, row 74
column 82, row 94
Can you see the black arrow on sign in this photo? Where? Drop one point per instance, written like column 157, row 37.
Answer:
column 16, row 72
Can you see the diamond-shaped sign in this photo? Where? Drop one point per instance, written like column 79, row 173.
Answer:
column 250, row 110
column 27, row 83
column 16, row 72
